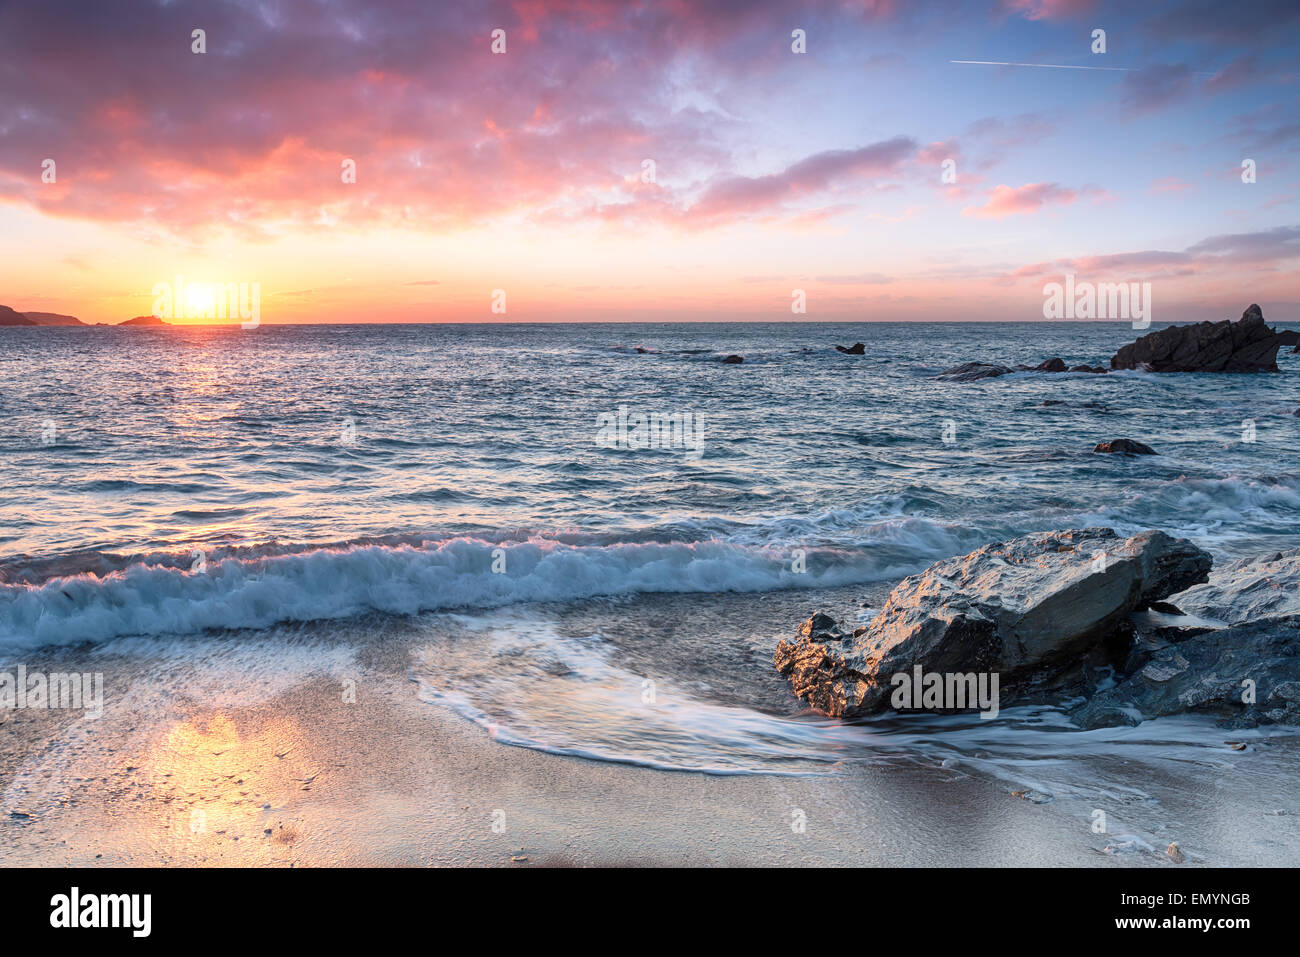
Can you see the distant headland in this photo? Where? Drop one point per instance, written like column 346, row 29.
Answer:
column 12, row 317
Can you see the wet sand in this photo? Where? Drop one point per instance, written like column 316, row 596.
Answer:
column 297, row 776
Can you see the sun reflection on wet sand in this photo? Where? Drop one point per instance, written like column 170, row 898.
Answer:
column 227, row 783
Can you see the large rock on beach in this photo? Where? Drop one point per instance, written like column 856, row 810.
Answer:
column 1246, row 675
column 1250, row 589
column 1234, row 653
column 1026, row 609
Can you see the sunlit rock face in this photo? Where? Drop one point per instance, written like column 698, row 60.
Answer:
column 1025, row 609
column 1246, row 345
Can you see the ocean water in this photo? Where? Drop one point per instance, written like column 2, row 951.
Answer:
column 166, row 489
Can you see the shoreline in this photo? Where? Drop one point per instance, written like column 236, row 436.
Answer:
column 401, row 783
column 393, row 780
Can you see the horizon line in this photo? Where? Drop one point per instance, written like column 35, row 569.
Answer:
column 612, row 322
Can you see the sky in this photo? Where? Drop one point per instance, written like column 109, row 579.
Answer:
column 649, row 161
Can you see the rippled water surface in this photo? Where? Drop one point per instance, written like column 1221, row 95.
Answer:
column 210, row 438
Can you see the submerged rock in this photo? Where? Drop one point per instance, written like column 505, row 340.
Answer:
column 1033, row 797
column 857, row 349
column 1124, row 447
column 972, row 371
column 733, row 360
column 1128, row 844
column 1246, row 345
column 1025, row 609
column 1089, row 404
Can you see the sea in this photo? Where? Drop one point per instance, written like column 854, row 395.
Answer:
column 590, row 536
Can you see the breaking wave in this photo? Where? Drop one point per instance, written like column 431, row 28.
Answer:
column 461, row 573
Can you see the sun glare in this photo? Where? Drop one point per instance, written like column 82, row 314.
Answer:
column 200, row 300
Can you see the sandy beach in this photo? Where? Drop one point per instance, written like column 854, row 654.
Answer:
column 183, row 770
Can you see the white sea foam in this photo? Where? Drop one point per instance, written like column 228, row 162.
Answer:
column 532, row 687
column 343, row 582
column 261, row 586
column 528, row 684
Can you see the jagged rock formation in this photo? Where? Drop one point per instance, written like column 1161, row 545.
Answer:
column 1251, row 589
column 1247, row 345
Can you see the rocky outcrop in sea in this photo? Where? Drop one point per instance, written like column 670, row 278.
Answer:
column 1246, row 345
column 1243, row 345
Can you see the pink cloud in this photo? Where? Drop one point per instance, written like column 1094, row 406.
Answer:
column 1033, row 269
column 818, row 173
column 1011, row 201
column 250, row 137
column 1048, row 9
column 937, row 152
column 1266, row 248
column 809, row 192
column 1242, row 71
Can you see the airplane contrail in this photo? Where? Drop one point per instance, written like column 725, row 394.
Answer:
column 1058, row 66
column 1049, row 66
